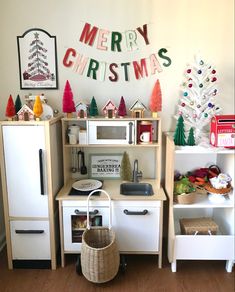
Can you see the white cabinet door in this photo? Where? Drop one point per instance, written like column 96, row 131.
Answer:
column 30, row 240
column 25, row 175
column 137, row 228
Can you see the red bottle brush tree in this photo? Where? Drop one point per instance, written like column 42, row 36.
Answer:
column 68, row 102
column 155, row 104
column 10, row 109
column 122, row 108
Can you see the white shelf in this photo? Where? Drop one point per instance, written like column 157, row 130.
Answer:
column 205, row 203
column 202, row 150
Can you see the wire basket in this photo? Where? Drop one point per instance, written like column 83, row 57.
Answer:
column 99, row 252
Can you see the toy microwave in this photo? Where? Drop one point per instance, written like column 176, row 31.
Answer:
column 222, row 132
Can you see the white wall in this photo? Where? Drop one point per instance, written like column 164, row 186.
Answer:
column 183, row 27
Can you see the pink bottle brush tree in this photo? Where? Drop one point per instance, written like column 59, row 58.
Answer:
column 155, row 104
column 68, row 102
column 122, row 108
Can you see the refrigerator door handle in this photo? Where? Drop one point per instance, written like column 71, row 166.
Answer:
column 41, row 171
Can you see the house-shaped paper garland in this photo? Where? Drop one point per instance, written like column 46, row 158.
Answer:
column 25, row 114
column 137, row 109
column 109, row 110
column 81, row 110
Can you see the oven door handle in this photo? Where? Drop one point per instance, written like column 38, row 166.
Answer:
column 77, row 212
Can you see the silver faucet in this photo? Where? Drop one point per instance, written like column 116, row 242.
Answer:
column 136, row 173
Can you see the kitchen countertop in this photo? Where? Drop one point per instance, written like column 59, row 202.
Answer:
column 112, row 187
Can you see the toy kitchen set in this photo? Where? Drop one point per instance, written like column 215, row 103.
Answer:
column 95, row 161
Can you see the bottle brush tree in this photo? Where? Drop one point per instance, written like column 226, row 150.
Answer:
column 68, row 102
column 37, row 107
column 10, row 109
column 18, row 104
column 155, row 104
column 122, row 108
column 179, row 135
column 125, row 171
column 93, row 108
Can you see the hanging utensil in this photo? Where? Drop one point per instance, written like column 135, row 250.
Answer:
column 73, row 168
column 83, row 168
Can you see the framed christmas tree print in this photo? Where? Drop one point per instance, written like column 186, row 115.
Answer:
column 37, row 60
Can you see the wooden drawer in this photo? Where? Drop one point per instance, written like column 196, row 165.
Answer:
column 204, row 247
column 30, row 240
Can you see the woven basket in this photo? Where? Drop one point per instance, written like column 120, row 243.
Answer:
column 99, row 252
column 200, row 226
column 99, row 255
column 189, row 198
column 222, row 191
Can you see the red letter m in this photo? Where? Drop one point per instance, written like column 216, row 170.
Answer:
column 140, row 69
column 88, row 35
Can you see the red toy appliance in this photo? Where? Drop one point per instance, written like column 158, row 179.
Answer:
column 222, row 132
column 143, row 128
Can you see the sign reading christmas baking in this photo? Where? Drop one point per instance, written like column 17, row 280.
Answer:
column 115, row 41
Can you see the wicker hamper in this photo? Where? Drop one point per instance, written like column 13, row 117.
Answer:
column 200, row 226
column 99, row 252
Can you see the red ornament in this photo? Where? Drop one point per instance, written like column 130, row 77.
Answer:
column 155, row 104
column 190, row 85
column 10, row 109
column 213, row 71
column 182, row 104
column 68, row 103
column 213, row 79
column 189, row 71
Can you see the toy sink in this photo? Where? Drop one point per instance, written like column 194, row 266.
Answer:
column 136, row 189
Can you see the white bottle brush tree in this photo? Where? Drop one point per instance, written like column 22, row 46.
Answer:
column 197, row 103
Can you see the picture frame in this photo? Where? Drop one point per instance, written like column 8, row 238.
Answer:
column 37, row 56
column 105, row 166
